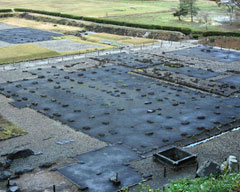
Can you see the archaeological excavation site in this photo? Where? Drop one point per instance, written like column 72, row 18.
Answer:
column 93, row 107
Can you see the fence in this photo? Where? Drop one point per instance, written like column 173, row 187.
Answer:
column 55, row 60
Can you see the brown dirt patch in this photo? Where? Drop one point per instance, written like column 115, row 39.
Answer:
column 44, row 181
column 224, row 42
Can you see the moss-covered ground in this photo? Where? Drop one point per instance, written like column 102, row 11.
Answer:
column 9, row 130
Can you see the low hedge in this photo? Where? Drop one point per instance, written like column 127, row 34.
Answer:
column 196, row 36
column 185, row 31
column 5, row 10
column 221, row 33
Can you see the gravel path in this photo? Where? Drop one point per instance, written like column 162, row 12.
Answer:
column 15, row 75
column 4, row 26
column 66, row 45
column 4, row 44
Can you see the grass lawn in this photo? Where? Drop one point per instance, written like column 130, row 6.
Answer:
column 138, row 11
column 9, row 130
column 93, row 8
column 24, row 52
column 166, row 18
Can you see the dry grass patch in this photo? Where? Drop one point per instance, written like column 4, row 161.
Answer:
column 93, row 39
column 24, row 52
column 40, row 25
column 107, row 36
column 83, row 51
column 99, row 37
column 139, row 41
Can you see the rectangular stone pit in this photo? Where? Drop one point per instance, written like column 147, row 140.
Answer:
column 175, row 158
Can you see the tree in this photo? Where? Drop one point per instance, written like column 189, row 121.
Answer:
column 237, row 3
column 192, row 8
column 229, row 2
column 187, row 7
column 182, row 11
column 206, row 19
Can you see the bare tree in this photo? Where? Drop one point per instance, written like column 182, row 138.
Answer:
column 230, row 4
column 236, row 2
column 206, row 18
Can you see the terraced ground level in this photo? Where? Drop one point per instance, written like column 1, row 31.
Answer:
column 137, row 11
column 20, row 42
column 99, row 116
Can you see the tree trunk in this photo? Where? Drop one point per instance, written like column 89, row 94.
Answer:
column 231, row 15
column 191, row 10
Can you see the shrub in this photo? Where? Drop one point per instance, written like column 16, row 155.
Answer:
column 226, row 182
column 196, row 36
column 5, row 10
column 212, row 40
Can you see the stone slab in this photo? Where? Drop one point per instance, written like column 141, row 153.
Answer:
column 95, row 168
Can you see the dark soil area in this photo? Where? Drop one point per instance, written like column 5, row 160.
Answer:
column 210, row 53
column 26, row 35
column 115, row 106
